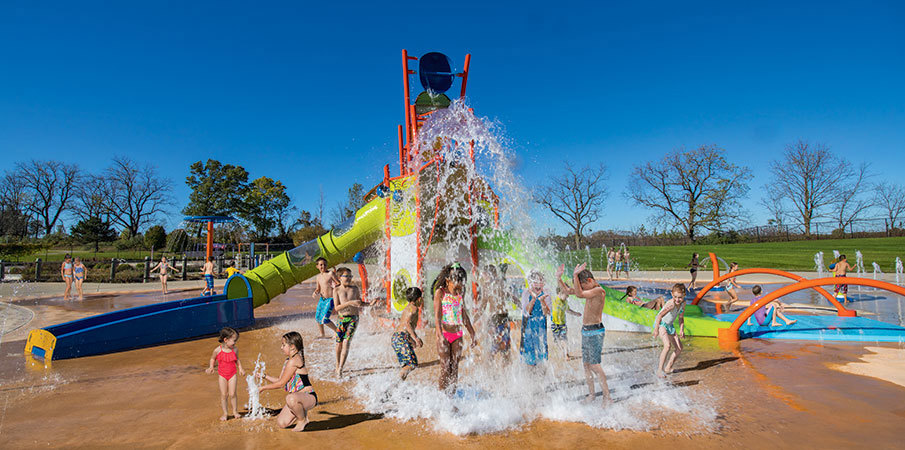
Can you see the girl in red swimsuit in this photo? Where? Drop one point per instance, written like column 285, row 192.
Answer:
column 227, row 357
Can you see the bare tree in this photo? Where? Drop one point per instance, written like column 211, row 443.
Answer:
column 14, row 218
column 90, row 200
column 776, row 208
column 576, row 197
column 811, row 178
column 891, row 199
column 692, row 189
column 134, row 194
column 50, row 185
column 852, row 199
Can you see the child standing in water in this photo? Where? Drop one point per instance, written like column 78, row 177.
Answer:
column 348, row 306
column 208, row 271
column 592, row 329
column 495, row 298
column 839, row 270
column 163, row 266
column 450, row 316
column 325, row 280
column 66, row 274
column 664, row 327
column 694, row 270
column 405, row 339
column 301, row 397
column 80, row 272
column 610, row 262
column 626, row 260
column 560, row 309
column 227, row 357
column 731, row 285
column 535, row 308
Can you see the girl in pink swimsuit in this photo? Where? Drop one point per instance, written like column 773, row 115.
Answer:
column 450, row 316
column 227, row 358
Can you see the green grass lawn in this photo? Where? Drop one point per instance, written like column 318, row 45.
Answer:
column 795, row 255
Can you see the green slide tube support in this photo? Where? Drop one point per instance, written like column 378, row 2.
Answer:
column 277, row 275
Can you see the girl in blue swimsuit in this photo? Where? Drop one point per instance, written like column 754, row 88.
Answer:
column 80, row 272
column 664, row 327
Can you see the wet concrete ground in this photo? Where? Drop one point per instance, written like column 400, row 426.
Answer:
column 767, row 394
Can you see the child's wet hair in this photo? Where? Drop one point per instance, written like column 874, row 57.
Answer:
column 631, row 290
column 535, row 277
column 453, row 271
column 679, row 287
column 226, row 333
column 841, row 257
column 319, row 259
column 585, row 275
column 756, row 290
column 294, row 339
column 343, row 270
column 412, row 294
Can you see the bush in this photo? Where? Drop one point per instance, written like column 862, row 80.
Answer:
column 20, row 249
column 128, row 275
column 134, row 243
column 155, row 237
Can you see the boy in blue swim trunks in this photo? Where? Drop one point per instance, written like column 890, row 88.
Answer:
column 348, row 305
column 592, row 330
column 325, row 280
column 664, row 327
column 208, row 271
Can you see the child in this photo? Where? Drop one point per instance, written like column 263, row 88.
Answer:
column 227, row 358
column 450, row 316
column 163, row 266
column 535, row 308
column 405, row 339
column 324, row 293
column 558, row 316
column 626, row 260
column 664, row 326
column 208, row 271
column 495, row 297
column 610, row 262
column 694, row 270
column 66, row 274
column 631, row 296
column 774, row 309
column 348, row 306
column 301, row 397
column 840, row 267
column 592, row 330
column 618, row 262
column 80, row 272
column 730, row 287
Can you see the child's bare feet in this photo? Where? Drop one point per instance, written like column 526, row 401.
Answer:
column 661, row 374
column 588, row 399
column 791, row 322
column 300, row 426
column 223, row 418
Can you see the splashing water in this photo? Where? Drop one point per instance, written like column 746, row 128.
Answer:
column 835, row 255
column 818, row 264
column 859, row 263
column 496, row 395
column 255, row 410
column 898, row 269
column 587, row 250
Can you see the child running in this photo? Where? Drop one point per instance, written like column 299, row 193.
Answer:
column 731, row 286
column 664, row 327
column 560, row 309
column 535, row 308
column 631, row 296
column 325, row 280
column 163, row 266
column 694, row 264
column 405, row 339
column 840, row 269
column 592, row 330
column 301, row 397
column 771, row 311
column 208, row 271
column 450, row 317
column 348, row 306
column 227, row 357
column 80, row 272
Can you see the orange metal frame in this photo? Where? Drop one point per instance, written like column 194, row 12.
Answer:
column 731, row 334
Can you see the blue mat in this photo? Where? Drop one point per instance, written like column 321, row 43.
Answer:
column 827, row 328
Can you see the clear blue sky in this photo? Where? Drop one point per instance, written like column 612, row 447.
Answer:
column 310, row 93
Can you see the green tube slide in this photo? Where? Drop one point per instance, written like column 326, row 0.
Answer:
column 277, row 275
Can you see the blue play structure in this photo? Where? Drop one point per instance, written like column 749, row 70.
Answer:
column 826, row 328
column 144, row 326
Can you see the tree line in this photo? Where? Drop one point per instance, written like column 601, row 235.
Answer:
column 128, row 197
column 699, row 190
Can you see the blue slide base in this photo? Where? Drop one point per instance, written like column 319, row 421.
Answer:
column 822, row 328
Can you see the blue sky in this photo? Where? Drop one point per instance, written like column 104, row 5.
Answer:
column 311, row 94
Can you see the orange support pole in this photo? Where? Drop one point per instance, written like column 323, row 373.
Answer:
column 731, row 334
column 403, row 154
column 464, row 74
column 716, row 266
column 387, row 283
column 210, row 239
column 405, row 86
